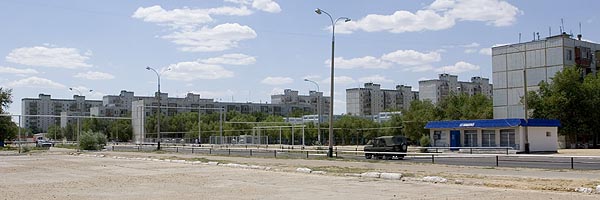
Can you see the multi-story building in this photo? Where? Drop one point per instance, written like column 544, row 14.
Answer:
column 45, row 105
column 537, row 61
column 291, row 97
column 371, row 100
column 437, row 89
column 122, row 106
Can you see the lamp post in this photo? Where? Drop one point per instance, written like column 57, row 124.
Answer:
column 79, row 109
column 158, row 97
column 526, row 114
column 333, row 22
column 318, row 110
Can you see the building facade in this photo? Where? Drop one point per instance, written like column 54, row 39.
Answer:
column 372, row 100
column 45, row 105
column 437, row 89
column 524, row 65
column 291, row 97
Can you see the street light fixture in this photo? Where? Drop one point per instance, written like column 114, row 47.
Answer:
column 333, row 22
column 318, row 109
column 158, row 97
column 80, row 111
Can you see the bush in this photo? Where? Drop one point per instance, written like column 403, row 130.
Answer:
column 425, row 142
column 92, row 141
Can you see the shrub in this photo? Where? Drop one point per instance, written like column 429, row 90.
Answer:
column 424, row 141
column 92, row 141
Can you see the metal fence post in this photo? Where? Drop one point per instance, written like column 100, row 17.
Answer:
column 275, row 153
column 506, row 150
column 229, row 151
column 572, row 163
column 306, row 154
column 250, row 152
column 192, row 150
column 432, row 159
column 113, row 148
column 496, row 161
column 176, row 149
column 210, row 151
column 471, row 150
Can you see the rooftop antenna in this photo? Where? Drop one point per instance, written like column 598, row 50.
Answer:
column 562, row 25
column 538, row 35
column 533, row 36
column 579, row 35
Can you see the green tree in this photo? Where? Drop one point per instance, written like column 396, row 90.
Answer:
column 92, row 140
column 54, row 132
column 416, row 118
column 463, row 106
column 573, row 100
column 8, row 129
column 393, row 126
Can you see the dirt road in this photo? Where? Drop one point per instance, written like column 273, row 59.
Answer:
column 63, row 176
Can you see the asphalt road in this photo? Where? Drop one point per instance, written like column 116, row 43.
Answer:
column 501, row 160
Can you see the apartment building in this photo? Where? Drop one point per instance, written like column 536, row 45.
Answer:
column 45, row 105
column 521, row 66
column 437, row 89
column 291, row 97
column 372, row 100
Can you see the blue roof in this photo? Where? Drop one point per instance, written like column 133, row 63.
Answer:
column 492, row 123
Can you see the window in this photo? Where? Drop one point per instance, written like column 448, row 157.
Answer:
column 488, row 138
column 507, row 138
column 569, row 54
column 470, row 138
column 548, row 134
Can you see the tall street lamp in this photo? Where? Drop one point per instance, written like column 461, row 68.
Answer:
column 80, row 110
column 333, row 22
column 318, row 110
column 158, row 97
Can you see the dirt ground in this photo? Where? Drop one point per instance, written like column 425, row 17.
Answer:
column 59, row 175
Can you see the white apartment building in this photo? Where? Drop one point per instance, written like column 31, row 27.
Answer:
column 45, row 105
column 372, row 100
column 437, row 89
column 537, row 61
column 291, row 97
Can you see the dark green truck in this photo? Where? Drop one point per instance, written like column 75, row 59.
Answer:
column 386, row 147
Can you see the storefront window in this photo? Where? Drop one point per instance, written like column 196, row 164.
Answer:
column 488, row 138
column 470, row 138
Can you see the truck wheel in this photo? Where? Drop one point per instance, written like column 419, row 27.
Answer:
column 404, row 147
column 368, row 156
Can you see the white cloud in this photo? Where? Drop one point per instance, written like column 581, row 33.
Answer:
column 420, row 68
column 472, row 45
column 367, row 62
column 486, row 51
column 470, row 51
column 11, row 70
column 441, row 14
column 189, row 71
column 35, row 82
column 69, row 58
column 459, row 67
column 231, row 59
column 91, row 75
column 218, row 38
column 375, row 79
column 266, row 5
column 263, row 5
column 277, row 80
column 411, row 57
column 185, row 18
column 276, row 91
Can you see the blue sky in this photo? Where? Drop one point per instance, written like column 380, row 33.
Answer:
column 246, row 50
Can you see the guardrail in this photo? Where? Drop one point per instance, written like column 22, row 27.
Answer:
column 469, row 148
column 494, row 160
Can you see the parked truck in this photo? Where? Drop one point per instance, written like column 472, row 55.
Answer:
column 386, row 147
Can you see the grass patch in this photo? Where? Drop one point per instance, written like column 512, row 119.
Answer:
column 6, row 148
